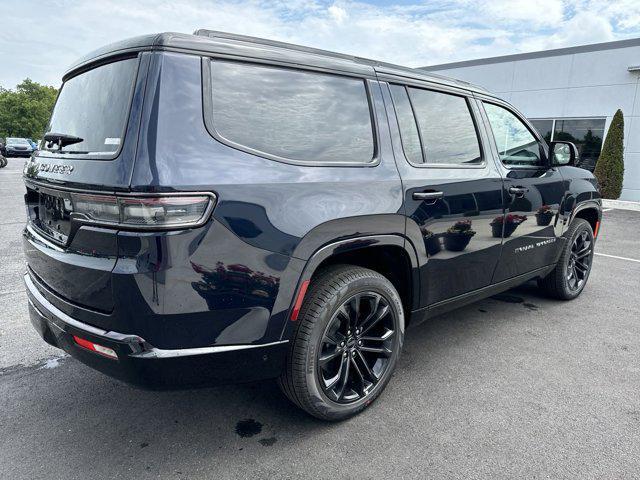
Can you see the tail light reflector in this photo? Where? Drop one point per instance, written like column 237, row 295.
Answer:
column 296, row 307
column 95, row 347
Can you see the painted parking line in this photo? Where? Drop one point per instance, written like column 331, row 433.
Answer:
column 619, row 258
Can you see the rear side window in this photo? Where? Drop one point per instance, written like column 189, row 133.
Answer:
column 446, row 127
column 291, row 115
column 516, row 144
column 95, row 106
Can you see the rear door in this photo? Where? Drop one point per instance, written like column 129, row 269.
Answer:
column 452, row 189
column 534, row 193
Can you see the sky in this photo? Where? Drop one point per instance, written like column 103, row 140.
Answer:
column 39, row 39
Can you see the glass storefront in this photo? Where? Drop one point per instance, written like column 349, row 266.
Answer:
column 545, row 127
column 586, row 133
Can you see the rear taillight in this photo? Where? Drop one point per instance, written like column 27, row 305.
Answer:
column 147, row 212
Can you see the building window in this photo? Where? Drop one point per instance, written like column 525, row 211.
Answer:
column 586, row 133
column 545, row 127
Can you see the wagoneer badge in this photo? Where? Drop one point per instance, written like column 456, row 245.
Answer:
column 46, row 167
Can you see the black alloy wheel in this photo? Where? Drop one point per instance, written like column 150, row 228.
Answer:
column 356, row 347
column 345, row 343
column 569, row 276
column 579, row 262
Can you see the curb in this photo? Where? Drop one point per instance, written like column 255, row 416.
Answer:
column 621, row 204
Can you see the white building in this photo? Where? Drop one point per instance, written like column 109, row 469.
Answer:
column 570, row 93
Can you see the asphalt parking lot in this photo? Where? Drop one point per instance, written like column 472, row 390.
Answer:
column 509, row 387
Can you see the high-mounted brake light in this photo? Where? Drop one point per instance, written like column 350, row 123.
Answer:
column 95, row 347
column 167, row 211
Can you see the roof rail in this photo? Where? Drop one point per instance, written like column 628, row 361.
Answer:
column 291, row 46
column 317, row 51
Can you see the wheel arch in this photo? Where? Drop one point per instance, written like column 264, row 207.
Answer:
column 376, row 252
column 589, row 211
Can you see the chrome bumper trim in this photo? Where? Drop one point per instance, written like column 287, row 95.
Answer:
column 147, row 350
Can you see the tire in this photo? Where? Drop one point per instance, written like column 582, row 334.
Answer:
column 558, row 284
column 329, row 308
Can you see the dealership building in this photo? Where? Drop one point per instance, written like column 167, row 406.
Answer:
column 570, row 94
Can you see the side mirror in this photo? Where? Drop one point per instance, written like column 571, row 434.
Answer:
column 563, row 153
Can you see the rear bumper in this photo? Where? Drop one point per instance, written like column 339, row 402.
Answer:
column 18, row 153
column 142, row 364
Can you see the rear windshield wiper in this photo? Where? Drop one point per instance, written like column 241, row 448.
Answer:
column 61, row 139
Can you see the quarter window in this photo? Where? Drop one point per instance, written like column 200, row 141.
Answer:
column 292, row 114
column 516, row 144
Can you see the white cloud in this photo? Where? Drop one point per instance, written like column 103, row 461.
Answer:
column 526, row 13
column 339, row 14
column 415, row 34
column 582, row 29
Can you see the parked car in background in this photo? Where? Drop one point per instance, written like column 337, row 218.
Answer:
column 267, row 210
column 16, row 147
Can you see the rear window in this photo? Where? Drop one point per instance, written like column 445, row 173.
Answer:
column 95, row 106
column 291, row 115
column 17, row 141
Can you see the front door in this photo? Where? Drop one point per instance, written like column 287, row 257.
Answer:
column 533, row 193
column 452, row 190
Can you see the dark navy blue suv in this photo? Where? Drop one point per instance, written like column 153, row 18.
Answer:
column 216, row 208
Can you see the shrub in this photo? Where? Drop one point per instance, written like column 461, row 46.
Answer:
column 610, row 166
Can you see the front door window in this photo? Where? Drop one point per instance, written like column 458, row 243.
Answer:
column 517, row 146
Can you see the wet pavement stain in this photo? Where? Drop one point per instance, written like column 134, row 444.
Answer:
column 482, row 310
column 144, row 444
column 531, row 306
column 267, row 442
column 505, row 297
column 248, row 427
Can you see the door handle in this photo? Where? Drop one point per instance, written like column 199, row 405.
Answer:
column 432, row 196
column 518, row 191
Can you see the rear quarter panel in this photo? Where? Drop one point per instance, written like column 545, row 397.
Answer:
column 274, row 209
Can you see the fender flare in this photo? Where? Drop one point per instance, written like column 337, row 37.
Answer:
column 584, row 205
column 349, row 245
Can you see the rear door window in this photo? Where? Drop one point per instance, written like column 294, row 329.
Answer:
column 446, row 127
column 94, row 106
column 289, row 114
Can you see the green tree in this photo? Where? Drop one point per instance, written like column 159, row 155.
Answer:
column 25, row 111
column 610, row 167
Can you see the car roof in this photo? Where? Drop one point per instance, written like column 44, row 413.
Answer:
column 245, row 47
